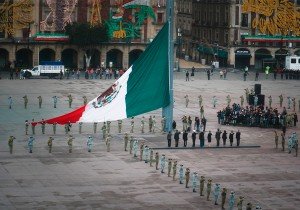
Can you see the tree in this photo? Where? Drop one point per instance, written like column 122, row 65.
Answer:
column 87, row 37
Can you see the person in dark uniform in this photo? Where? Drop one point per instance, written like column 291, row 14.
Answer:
column 238, row 138
column 231, row 138
column 203, row 121
column 176, row 138
column 194, row 134
column 201, row 138
column 218, row 137
column 174, row 125
column 224, row 137
column 185, row 138
column 209, row 138
column 169, row 137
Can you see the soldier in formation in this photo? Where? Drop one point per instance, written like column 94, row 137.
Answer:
column 131, row 144
column 43, row 123
column 30, row 143
column 208, row 189
column 95, row 127
column 156, row 160
column 146, row 154
column 150, row 124
column 223, row 195
column 11, row 144
column 70, row 143
column 187, row 100
column 143, row 124
column 54, row 127
column 107, row 141
column 33, row 127
column 163, row 124
column 151, row 157
column 50, row 142
column 54, row 101
column 25, row 101
column 104, row 130
column 120, row 126
column 187, row 177
column 26, row 127
column 174, row 169
column 217, row 193
column 141, row 151
column 240, row 203
column 135, row 148
column 231, row 200
column 154, row 124
column 89, row 143
column 280, row 100
column 132, row 125
column 80, row 127
column 201, row 112
column 108, row 126
column 202, row 182
column 40, row 101
column 181, row 174
column 126, row 138
column 194, row 181
column 169, row 167
column 84, row 100
column 200, row 100
column 162, row 163
column 70, row 100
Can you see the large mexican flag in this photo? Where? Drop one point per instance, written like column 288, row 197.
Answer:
column 142, row 88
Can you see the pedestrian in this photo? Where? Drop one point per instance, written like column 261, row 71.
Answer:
column 89, row 143
column 224, row 137
column 30, row 143
column 238, row 138
column 223, row 195
column 231, row 200
column 50, row 142
column 231, row 134
column 187, row 100
column 11, row 144
column 209, row 138
column 181, row 174
column 187, row 76
column 203, row 121
column 154, row 124
column 187, row 177
column 208, row 74
column 202, row 182
column 201, row 112
column 104, row 130
column 54, row 101
column 169, row 138
column 156, row 160
column 208, row 189
column 150, row 124
column 283, row 141
column 270, row 101
column 146, row 154
column 201, row 138
column 174, row 125
column 162, row 163
column 194, row 135
column 25, row 101
column 267, row 70
column 108, row 126
column 194, row 181
column 240, row 203
column 10, row 102
column 169, row 167
column 126, row 138
column 228, row 99
column 174, row 169
column 289, row 102
column 217, row 192
column 70, row 143
column 218, row 137
column 176, row 138
column 185, row 138
column 26, row 127
column 200, row 100
column 276, row 139
column 40, row 101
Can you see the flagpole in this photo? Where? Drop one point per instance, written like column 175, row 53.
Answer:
column 167, row 112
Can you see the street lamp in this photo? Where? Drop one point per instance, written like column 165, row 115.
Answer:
column 179, row 37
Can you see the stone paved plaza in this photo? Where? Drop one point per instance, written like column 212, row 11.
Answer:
column 115, row 180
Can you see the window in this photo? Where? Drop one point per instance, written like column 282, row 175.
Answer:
column 299, row 61
column 244, row 20
column 293, row 60
column 2, row 34
column 237, row 15
column 160, row 17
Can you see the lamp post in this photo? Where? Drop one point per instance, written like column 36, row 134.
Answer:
column 179, row 37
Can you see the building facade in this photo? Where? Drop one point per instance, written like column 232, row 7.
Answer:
column 33, row 31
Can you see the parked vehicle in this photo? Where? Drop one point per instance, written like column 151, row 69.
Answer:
column 50, row 69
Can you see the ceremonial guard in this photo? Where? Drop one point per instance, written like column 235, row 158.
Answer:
column 223, row 195
column 151, row 157
column 187, row 177
column 194, row 181
column 143, row 124
column 208, row 189
column 240, row 203
column 25, row 101
column 30, row 143
column 80, row 127
column 70, row 100
column 84, row 100
column 156, row 160
column 135, row 148
column 95, row 127
column 187, row 100
column 70, row 143
column 43, row 126
column 54, row 127
column 162, row 163
column 202, row 182
column 126, row 137
column 131, row 144
column 174, row 169
column 231, row 200
column 50, row 141
column 120, row 126
column 181, row 174
column 40, row 101
column 11, row 144
column 163, row 124
column 54, row 101
column 169, row 167
column 132, row 125
column 217, row 193
column 89, row 143
column 26, row 127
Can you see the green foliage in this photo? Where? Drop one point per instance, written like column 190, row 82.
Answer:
column 83, row 34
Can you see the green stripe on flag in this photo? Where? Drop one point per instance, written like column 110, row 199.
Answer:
column 148, row 83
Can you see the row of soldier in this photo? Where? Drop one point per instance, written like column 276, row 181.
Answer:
column 292, row 142
column 105, row 127
column 291, row 101
column 40, row 101
column 147, row 155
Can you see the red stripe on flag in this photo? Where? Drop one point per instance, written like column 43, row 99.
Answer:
column 71, row 117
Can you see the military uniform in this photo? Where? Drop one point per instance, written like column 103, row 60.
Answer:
column 217, row 193
column 54, row 127
column 104, row 130
column 135, row 148
column 240, row 203
column 276, row 140
column 214, row 101
column 26, row 127
column 95, row 127
column 187, row 177
column 89, row 143
column 33, row 127
column 208, row 189
column 194, row 181
column 132, row 125
column 10, row 102
column 163, row 124
column 242, row 101
column 50, row 141
column 108, row 138
column 156, row 160
column 108, row 126
column 154, row 124
column 200, row 100
column 80, row 127
column 202, row 112
column 223, row 195
column 187, row 100
column 162, row 163
column 120, row 126
column 11, row 144
column 54, row 101
column 228, row 99
column 40, row 101
column 231, row 200
column 151, row 157
column 84, row 100
column 150, row 124
column 169, row 167
column 181, row 174
column 174, row 169
column 126, row 137
column 70, row 100
column 43, row 126
column 202, row 181
column 146, row 154
column 249, row 206
column 25, row 101
column 70, row 143
column 30, row 143
column 131, row 144
column 141, row 151
column 280, row 100
column 283, row 141
column 143, row 124
column 270, row 101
